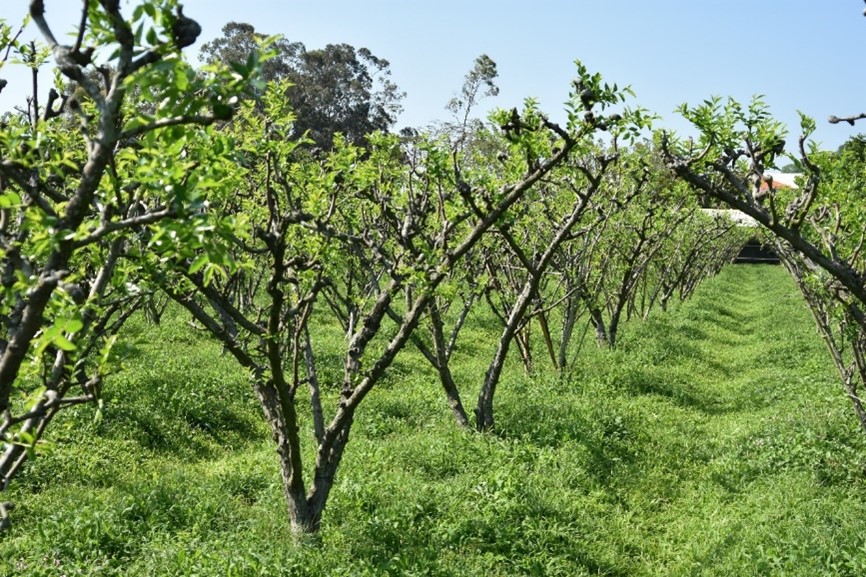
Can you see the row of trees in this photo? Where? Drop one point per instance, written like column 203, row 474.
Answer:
column 394, row 235
column 818, row 229
column 144, row 179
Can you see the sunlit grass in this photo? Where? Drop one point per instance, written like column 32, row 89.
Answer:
column 715, row 441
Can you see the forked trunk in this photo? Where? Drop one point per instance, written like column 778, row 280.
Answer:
column 303, row 519
column 600, row 328
column 441, row 356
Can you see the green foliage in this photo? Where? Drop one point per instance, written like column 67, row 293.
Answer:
column 723, row 129
column 816, row 227
column 173, row 184
column 335, row 91
column 88, row 209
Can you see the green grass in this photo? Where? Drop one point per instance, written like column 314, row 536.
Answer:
column 715, row 441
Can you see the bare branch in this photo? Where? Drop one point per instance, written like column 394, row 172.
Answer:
column 202, row 120
column 50, row 111
column 110, row 227
column 849, row 119
column 81, row 26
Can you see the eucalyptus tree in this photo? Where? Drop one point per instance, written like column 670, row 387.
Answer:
column 74, row 193
column 820, row 227
column 333, row 90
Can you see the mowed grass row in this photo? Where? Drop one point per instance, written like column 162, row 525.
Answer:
column 715, row 441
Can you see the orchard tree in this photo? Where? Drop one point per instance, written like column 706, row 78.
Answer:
column 546, row 219
column 533, row 246
column 696, row 250
column 648, row 241
column 81, row 178
column 636, row 235
column 404, row 226
column 819, row 228
column 334, row 90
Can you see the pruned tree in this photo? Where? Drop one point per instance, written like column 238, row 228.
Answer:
column 696, row 250
column 636, row 240
column 466, row 137
column 818, row 227
column 72, row 198
column 407, row 225
column 551, row 217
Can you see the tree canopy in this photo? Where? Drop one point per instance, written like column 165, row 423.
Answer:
column 334, row 90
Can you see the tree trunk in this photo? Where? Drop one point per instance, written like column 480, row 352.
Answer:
column 524, row 346
column 328, row 457
column 858, row 345
column 484, row 420
column 567, row 331
column 613, row 327
column 313, row 381
column 548, row 340
column 600, row 328
column 441, row 354
column 302, row 518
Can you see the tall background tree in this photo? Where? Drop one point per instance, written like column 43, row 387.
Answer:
column 334, row 90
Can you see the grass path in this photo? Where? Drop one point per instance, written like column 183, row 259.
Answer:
column 754, row 457
column 714, row 441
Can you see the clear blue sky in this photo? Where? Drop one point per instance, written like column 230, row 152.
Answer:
column 800, row 54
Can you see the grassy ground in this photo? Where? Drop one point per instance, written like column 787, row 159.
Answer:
column 715, row 441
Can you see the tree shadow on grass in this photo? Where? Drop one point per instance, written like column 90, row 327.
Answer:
column 725, row 317
column 672, row 387
column 193, row 434
column 689, row 366
column 603, row 439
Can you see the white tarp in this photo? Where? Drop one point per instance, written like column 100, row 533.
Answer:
column 736, row 216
